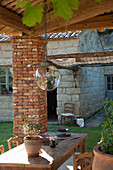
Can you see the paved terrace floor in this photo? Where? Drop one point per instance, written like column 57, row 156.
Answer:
column 95, row 120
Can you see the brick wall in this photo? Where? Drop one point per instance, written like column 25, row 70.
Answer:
column 28, row 100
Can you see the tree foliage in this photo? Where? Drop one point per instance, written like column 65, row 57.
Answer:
column 33, row 14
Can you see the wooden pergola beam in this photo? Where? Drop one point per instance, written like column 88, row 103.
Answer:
column 11, row 19
column 83, row 55
column 104, row 21
column 85, row 12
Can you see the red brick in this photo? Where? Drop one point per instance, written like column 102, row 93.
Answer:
column 28, row 98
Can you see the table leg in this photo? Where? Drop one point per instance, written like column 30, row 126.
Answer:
column 83, row 147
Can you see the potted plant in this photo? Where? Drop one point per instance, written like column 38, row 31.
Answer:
column 33, row 142
column 52, row 142
column 4, row 91
column 103, row 153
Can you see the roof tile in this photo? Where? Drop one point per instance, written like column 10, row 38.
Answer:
column 5, row 38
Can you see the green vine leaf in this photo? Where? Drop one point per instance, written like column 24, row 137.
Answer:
column 74, row 4
column 32, row 15
column 22, row 4
column 63, row 8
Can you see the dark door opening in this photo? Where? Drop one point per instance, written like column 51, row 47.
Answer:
column 52, row 105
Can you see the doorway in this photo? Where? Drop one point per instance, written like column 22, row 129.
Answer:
column 52, row 105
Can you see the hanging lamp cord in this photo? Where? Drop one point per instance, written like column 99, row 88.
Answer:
column 45, row 10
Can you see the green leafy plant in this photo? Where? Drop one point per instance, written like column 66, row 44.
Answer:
column 4, row 90
column 33, row 14
column 107, row 128
column 31, row 129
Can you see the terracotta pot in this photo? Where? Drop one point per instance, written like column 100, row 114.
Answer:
column 102, row 161
column 33, row 145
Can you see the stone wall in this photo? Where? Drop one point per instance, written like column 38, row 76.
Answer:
column 92, row 84
column 92, row 90
column 6, row 105
column 28, row 100
column 108, row 70
column 68, row 91
column 5, row 54
column 89, row 41
column 60, row 46
column 6, row 108
column 86, row 90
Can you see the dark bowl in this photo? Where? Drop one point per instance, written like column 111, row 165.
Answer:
column 62, row 129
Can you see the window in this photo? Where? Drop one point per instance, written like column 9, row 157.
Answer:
column 109, row 82
column 6, row 79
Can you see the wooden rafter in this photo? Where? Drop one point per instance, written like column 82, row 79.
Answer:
column 90, row 15
column 12, row 20
column 97, row 22
column 83, row 55
column 86, row 11
column 70, row 61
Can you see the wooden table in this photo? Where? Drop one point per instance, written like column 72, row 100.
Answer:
column 49, row 159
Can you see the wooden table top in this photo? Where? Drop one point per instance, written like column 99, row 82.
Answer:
column 49, row 158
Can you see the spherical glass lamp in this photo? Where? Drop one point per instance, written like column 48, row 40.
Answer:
column 47, row 77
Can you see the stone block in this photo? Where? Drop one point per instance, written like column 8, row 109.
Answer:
column 59, row 110
column 5, row 62
column 6, row 47
column 61, row 51
column 66, row 84
column 7, row 54
column 64, row 97
column 75, row 98
column 59, row 90
column 50, row 52
column 52, row 45
column 71, row 50
column 55, row 51
column 68, row 78
column 72, row 91
column 65, row 72
column 76, row 111
column 59, row 104
column 6, row 99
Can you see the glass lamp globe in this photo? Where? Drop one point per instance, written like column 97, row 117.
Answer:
column 47, row 77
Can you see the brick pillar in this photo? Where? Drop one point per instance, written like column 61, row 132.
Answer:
column 28, row 100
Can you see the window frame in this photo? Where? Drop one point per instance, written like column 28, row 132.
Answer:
column 7, row 75
column 111, row 82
